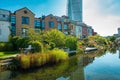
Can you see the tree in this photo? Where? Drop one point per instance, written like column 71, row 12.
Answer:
column 34, row 36
column 71, row 42
column 54, row 36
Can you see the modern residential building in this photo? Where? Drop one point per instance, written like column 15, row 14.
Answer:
column 21, row 20
column 4, row 25
column 64, row 24
column 84, row 30
column 74, row 10
column 77, row 29
column 50, row 22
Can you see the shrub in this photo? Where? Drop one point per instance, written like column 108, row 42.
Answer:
column 25, row 61
column 80, row 47
column 71, row 42
column 58, row 55
column 19, row 42
column 40, row 59
column 56, row 37
column 38, row 46
column 2, row 46
column 9, row 47
column 5, row 46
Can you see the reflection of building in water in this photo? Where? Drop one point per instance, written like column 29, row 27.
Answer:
column 78, row 74
column 7, row 75
column 85, row 60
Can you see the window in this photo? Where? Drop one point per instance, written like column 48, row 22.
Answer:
column 37, row 23
column 25, row 20
column 13, row 30
column 25, row 12
column 0, row 32
column 13, row 19
column 59, row 26
column 24, row 32
column 43, row 25
column 4, row 16
column 65, row 26
column 51, row 24
column 66, row 33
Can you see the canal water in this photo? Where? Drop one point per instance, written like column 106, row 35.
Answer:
column 101, row 65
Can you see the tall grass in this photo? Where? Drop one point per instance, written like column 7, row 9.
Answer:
column 40, row 59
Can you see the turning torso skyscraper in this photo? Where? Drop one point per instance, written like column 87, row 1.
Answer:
column 74, row 10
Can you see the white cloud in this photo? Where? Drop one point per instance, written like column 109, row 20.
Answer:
column 100, row 16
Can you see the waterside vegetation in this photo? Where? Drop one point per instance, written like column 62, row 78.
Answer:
column 48, row 46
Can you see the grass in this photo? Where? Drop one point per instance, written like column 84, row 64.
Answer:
column 6, row 54
column 40, row 59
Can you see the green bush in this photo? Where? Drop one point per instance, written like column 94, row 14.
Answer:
column 6, row 46
column 25, row 61
column 71, row 42
column 38, row 46
column 19, row 42
column 54, row 36
column 58, row 55
column 2, row 46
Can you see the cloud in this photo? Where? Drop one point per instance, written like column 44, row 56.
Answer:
column 102, row 15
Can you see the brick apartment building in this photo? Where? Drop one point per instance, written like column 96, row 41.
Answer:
column 23, row 18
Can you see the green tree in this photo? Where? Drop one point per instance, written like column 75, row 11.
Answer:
column 71, row 42
column 54, row 36
column 33, row 36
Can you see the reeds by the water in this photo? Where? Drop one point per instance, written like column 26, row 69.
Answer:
column 40, row 59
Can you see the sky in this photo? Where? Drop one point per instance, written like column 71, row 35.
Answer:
column 102, row 15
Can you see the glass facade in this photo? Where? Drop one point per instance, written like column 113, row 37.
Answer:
column 13, row 25
column 25, row 20
column 74, row 10
column 51, row 24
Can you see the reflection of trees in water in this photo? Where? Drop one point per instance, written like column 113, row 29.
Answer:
column 7, row 75
column 65, row 69
column 87, row 58
column 112, row 50
column 73, row 69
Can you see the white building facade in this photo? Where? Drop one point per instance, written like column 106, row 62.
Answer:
column 4, row 25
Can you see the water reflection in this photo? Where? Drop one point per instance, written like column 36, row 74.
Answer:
column 87, row 66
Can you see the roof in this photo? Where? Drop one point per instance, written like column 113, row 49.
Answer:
column 4, row 10
column 24, row 8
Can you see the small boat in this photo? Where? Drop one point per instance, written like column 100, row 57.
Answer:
column 88, row 49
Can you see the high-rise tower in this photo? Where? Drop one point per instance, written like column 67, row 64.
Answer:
column 74, row 10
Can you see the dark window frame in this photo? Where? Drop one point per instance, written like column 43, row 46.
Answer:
column 25, row 20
